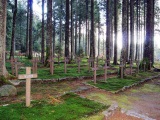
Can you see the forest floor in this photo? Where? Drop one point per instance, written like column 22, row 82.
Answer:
column 141, row 102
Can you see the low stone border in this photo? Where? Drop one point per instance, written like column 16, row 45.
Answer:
column 136, row 84
column 126, row 87
column 43, row 81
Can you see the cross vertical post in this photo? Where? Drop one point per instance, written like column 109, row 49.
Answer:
column 28, row 77
column 28, row 87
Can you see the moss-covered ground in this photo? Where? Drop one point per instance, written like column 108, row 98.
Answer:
column 70, row 107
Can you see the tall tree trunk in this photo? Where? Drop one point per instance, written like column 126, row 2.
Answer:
column 42, row 44
column 124, row 31
column 60, row 29
column 86, row 45
column 131, row 30
column 92, row 41
column 76, row 36
column 27, row 29
column 148, row 43
column 115, row 30
column 54, row 33
column 98, row 32
column 108, row 31
column 137, row 33
column 79, row 34
column 30, row 30
column 127, row 30
column 13, row 29
column 72, row 33
column 3, row 11
column 49, row 48
column 67, row 30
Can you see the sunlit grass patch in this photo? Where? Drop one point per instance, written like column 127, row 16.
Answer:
column 72, row 107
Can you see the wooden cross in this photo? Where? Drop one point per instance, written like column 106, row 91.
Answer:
column 105, row 71
column 122, row 66
column 144, row 63
column 28, row 77
column 95, row 72
column 34, row 64
column 131, row 65
column 65, row 64
column 89, row 62
column 51, row 64
column 137, row 63
column 79, row 61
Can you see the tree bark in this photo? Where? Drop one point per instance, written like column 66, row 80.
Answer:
column 131, row 30
column 13, row 30
column 108, row 31
column 30, row 30
column 124, row 31
column 115, row 30
column 149, row 41
column 92, row 41
column 49, row 48
column 86, row 45
column 27, row 30
column 67, row 30
column 3, row 11
column 42, row 44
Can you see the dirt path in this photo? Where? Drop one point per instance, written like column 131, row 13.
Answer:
column 142, row 101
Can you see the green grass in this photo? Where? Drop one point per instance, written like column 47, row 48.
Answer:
column 72, row 108
column 72, row 69
column 114, row 84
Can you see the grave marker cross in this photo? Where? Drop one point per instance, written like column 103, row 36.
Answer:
column 28, row 77
column 95, row 72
